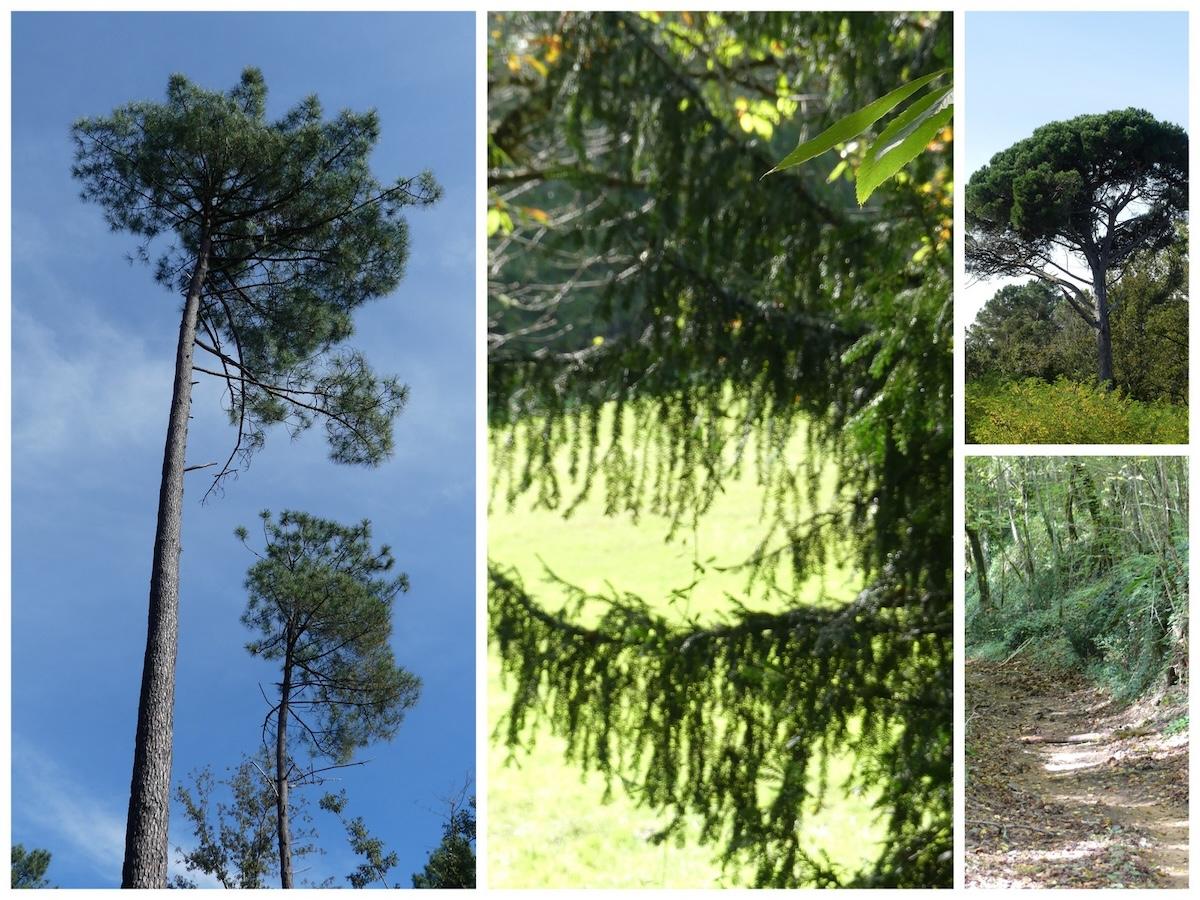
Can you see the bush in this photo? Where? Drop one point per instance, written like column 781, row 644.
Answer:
column 1067, row 412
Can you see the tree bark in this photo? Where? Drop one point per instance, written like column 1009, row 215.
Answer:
column 145, row 864
column 985, row 594
column 1103, row 331
column 281, row 773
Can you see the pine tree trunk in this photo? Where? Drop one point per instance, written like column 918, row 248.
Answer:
column 145, row 863
column 1103, row 333
column 281, row 779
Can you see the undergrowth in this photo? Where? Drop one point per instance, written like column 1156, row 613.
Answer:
column 1117, row 626
column 1067, row 412
column 1178, row 725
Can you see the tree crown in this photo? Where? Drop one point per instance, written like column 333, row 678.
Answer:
column 29, row 867
column 295, row 233
column 320, row 599
column 1100, row 185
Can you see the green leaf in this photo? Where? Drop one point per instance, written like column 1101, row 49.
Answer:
column 896, row 156
column 901, row 126
column 855, row 123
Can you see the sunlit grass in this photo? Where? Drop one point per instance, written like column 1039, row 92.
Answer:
column 548, row 824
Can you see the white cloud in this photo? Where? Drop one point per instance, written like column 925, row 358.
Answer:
column 93, row 828
column 52, row 799
column 83, row 384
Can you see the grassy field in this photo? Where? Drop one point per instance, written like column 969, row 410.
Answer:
column 548, row 825
column 1066, row 412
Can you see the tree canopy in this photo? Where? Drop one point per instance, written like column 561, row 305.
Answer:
column 451, row 864
column 1029, row 330
column 29, row 867
column 295, row 233
column 1082, row 562
column 235, row 826
column 1096, row 190
column 656, row 310
column 1014, row 332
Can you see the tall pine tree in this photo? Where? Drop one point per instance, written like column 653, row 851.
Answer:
column 320, row 602
column 280, row 232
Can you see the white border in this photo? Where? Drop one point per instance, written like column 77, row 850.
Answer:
column 960, row 754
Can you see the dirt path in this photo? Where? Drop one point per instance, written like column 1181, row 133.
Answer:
column 1066, row 789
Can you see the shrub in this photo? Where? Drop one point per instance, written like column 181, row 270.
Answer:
column 1067, row 412
column 1178, row 725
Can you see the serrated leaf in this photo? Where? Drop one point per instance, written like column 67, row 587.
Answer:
column 899, row 155
column 855, row 123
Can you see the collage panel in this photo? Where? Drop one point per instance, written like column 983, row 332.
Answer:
column 719, row 402
column 1075, row 568
column 1076, row 199
column 1077, row 672
column 243, row 450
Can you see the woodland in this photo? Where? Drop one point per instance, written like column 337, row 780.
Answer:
column 1089, row 345
column 664, row 325
column 1077, row 672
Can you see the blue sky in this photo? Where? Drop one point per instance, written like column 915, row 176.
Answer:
column 93, row 345
column 1026, row 69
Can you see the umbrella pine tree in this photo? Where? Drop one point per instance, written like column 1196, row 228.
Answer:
column 1096, row 190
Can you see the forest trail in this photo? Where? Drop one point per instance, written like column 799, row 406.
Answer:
column 1065, row 788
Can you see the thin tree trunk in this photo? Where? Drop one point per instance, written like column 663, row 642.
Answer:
column 281, row 773
column 1072, row 531
column 1103, row 332
column 145, row 863
column 985, row 594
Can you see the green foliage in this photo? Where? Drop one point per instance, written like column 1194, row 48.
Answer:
column 1030, row 331
column 674, row 321
column 560, row 827
column 376, row 862
column 1107, row 594
column 291, row 233
column 452, row 862
column 1057, row 183
column 637, row 695
column 1099, row 189
column 898, row 144
column 1014, row 334
column 1150, row 325
column 1178, row 725
column 1066, row 412
column 235, row 837
column 321, row 602
column 29, row 867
